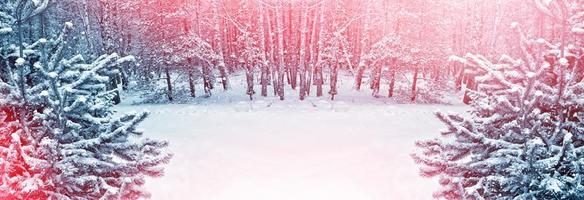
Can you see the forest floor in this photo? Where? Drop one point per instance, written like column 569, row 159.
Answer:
column 227, row 148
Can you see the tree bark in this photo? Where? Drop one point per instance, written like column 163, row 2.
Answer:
column 220, row 62
column 264, row 65
column 207, row 83
column 319, row 80
column 168, row 84
column 249, row 77
column 364, row 43
column 392, row 82
column 281, row 65
column 333, row 80
column 376, row 83
column 191, row 79
column 313, row 54
column 302, row 55
column 414, row 84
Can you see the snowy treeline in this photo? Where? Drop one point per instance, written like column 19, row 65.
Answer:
column 59, row 138
column 524, row 138
column 186, row 44
column 297, row 44
column 64, row 63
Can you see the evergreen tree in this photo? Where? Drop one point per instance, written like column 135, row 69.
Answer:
column 524, row 137
column 59, row 137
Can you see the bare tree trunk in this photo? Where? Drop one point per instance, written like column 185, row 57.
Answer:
column 376, row 82
column 205, row 71
column 415, row 84
column 192, row 84
column 191, row 78
column 364, row 43
column 272, row 45
column 292, row 66
column 281, row 64
column 264, row 65
column 313, row 53
column 207, row 83
column 249, row 77
column 302, row 62
column 392, row 81
column 319, row 80
column 333, row 80
column 168, row 84
column 220, row 63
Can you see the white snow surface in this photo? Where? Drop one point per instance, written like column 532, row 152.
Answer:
column 228, row 148
column 225, row 152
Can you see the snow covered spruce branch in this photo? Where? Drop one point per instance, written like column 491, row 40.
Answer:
column 523, row 138
column 61, row 139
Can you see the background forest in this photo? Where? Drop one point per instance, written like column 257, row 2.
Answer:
column 70, row 68
column 305, row 45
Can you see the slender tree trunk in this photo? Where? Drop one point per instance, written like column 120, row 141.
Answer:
column 191, row 79
column 192, row 84
column 414, row 84
column 205, row 71
column 392, row 81
column 220, row 62
column 207, row 83
column 293, row 67
column 359, row 75
column 313, row 54
column 281, row 64
column 264, row 79
column 249, row 77
column 376, row 83
column 333, row 80
column 302, row 55
column 168, row 84
column 319, row 80
column 272, row 58
column 364, row 43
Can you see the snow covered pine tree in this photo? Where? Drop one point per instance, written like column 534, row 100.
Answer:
column 523, row 138
column 59, row 138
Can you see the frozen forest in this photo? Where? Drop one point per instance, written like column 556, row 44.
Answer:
column 290, row 100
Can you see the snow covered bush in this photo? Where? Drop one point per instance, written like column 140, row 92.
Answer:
column 523, row 138
column 59, row 138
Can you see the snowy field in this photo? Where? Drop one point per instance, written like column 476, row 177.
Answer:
column 292, row 150
column 228, row 148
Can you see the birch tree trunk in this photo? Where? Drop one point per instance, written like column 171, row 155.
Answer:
column 281, row 64
column 318, row 68
column 249, row 78
column 364, row 43
column 313, row 53
column 333, row 79
column 264, row 66
column 392, row 82
column 220, row 62
column 272, row 53
column 168, row 84
column 415, row 84
column 302, row 55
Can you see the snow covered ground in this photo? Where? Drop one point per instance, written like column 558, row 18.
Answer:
column 332, row 151
column 355, row 148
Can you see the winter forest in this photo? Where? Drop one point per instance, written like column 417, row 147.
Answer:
column 298, row 99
